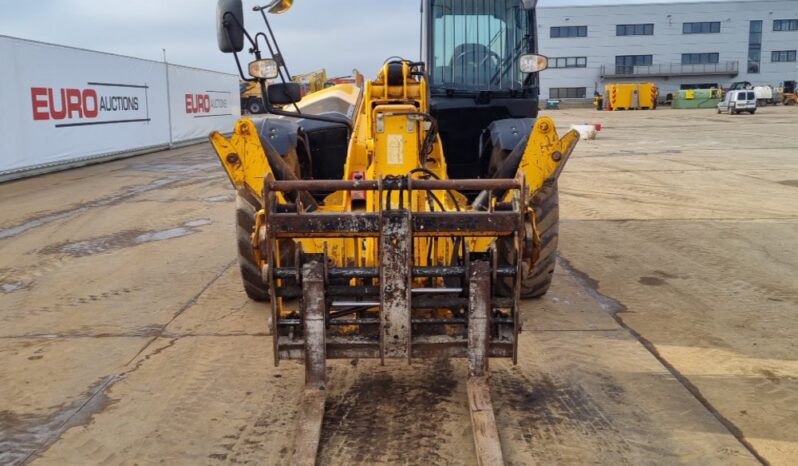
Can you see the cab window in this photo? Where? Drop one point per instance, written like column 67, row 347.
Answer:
column 477, row 45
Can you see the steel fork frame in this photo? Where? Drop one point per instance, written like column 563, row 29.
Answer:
column 311, row 407
column 396, row 272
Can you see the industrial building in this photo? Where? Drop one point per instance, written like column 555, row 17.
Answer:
column 677, row 46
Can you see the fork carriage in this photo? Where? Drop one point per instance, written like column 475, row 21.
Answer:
column 400, row 307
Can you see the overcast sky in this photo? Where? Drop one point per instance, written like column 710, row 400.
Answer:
column 336, row 34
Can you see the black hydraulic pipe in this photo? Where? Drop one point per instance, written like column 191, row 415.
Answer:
column 283, row 172
column 507, row 169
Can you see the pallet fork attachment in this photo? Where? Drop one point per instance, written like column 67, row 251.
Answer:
column 394, row 309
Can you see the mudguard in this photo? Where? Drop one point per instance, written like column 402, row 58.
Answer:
column 281, row 133
column 506, row 134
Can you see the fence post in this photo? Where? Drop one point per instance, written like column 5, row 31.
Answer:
column 168, row 97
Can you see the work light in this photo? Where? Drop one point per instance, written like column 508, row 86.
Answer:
column 264, row 69
column 532, row 63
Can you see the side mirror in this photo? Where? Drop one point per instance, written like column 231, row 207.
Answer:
column 230, row 25
column 284, row 93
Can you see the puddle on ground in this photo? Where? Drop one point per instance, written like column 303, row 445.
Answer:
column 200, row 222
column 220, row 198
column 167, row 167
column 10, row 287
column 162, row 235
column 23, row 436
column 129, row 192
column 43, row 220
column 124, row 239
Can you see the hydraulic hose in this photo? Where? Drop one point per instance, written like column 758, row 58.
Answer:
column 283, row 172
column 507, row 169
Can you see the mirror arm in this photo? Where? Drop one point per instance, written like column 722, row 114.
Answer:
column 238, row 62
column 278, row 57
column 256, row 50
column 271, row 51
column 249, row 38
column 254, row 44
column 241, row 71
column 276, row 45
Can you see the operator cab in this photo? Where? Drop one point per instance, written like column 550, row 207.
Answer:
column 479, row 57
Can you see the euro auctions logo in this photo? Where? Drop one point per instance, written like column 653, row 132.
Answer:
column 208, row 104
column 95, row 104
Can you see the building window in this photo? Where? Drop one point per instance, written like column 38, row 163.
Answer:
column 568, row 31
column 754, row 46
column 634, row 30
column 700, row 58
column 625, row 64
column 706, row 27
column 568, row 62
column 782, row 55
column 567, row 92
column 785, row 24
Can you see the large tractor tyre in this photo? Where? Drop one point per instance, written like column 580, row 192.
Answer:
column 535, row 282
column 247, row 206
column 255, row 106
column 245, row 225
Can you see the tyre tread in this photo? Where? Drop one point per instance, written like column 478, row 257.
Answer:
column 536, row 282
column 250, row 274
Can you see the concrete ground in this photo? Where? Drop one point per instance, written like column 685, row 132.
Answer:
column 668, row 337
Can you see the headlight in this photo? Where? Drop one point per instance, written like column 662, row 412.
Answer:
column 532, row 63
column 264, row 69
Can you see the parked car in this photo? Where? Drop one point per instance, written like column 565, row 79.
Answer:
column 736, row 102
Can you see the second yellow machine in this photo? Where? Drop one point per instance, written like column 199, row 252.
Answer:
column 409, row 216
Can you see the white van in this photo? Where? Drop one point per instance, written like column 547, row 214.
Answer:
column 736, row 102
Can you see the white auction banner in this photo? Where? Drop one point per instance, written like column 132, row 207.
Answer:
column 62, row 105
column 202, row 101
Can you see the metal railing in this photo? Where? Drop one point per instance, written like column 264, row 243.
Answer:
column 728, row 68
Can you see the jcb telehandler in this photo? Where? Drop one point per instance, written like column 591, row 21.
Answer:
column 409, row 216
column 251, row 99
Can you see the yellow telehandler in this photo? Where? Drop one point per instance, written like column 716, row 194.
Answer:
column 251, row 98
column 312, row 81
column 405, row 218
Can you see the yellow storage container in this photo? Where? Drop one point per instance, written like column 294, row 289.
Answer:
column 630, row 96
